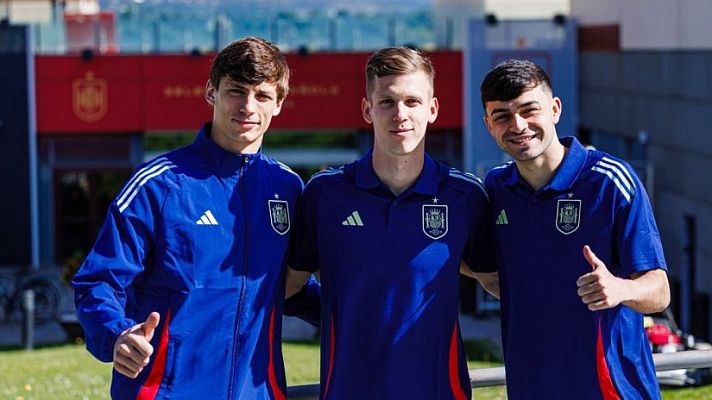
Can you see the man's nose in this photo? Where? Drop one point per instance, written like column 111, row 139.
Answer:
column 519, row 124
column 401, row 112
column 249, row 104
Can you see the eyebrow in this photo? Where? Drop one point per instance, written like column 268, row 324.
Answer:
column 245, row 86
column 502, row 109
column 235, row 85
column 389, row 95
column 268, row 93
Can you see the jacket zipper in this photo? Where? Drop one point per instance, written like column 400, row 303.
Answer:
column 236, row 340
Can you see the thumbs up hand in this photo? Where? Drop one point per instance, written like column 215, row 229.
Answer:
column 132, row 349
column 600, row 289
column 150, row 325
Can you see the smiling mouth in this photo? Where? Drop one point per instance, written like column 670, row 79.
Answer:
column 400, row 131
column 248, row 123
column 521, row 140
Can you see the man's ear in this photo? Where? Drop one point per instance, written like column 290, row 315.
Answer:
column 366, row 110
column 434, row 107
column 486, row 121
column 556, row 109
column 278, row 109
column 210, row 93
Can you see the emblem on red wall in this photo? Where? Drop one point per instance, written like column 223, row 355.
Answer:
column 89, row 98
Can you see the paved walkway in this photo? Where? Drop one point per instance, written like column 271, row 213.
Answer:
column 45, row 334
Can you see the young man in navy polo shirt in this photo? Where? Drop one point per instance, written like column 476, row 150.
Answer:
column 389, row 235
column 580, row 258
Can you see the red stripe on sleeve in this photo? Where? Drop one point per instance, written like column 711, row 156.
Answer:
column 276, row 390
column 149, row 390
column 604, row 376
column 453, row 367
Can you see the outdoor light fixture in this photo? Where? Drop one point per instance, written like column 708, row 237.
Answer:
column 491, row 19
column 87, row 54
column 559, row 19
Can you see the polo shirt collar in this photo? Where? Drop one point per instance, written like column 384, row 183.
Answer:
column 571, row 166
column 568, row 171
column 366, row 178
column 514, row 176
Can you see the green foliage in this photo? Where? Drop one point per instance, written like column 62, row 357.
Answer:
column 311, row 139
column 69, row 372
column 166, row 141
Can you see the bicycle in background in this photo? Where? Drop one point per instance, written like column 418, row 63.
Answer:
column 14, row 281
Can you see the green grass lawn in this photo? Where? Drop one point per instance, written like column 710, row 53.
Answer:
column 69, row 372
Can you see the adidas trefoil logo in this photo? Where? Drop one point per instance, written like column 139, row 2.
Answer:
column 353, row 220
column 207, row 219
column 502, row 218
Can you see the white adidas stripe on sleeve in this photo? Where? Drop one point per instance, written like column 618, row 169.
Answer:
column 623, row 177
column 622, row 168
column 147, row 169
column 286, row 168
column 468, row 177
column 326, row 172
column 128, row 196
column 615, row 180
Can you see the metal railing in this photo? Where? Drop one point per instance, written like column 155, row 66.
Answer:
column 147, row 27
column 482, row 377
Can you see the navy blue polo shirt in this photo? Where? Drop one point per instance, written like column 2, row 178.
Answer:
column 554, row 346
column 389, row 273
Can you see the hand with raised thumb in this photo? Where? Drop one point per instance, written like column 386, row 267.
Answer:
column 599, row 289
column 150, row 325
column 590, row 256
column 132, row 348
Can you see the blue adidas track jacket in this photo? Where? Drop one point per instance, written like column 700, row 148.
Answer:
column 200, row 236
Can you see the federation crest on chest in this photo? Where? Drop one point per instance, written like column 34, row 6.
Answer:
column 279, row 215
column 568, row 215
column 435, row 220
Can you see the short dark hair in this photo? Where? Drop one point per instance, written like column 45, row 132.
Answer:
column 252, row 60
column 509, row 79
column 397, row 61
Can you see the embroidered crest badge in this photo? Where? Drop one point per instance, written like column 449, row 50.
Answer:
column 279, row 215
column 568, row 215
column 435, row 222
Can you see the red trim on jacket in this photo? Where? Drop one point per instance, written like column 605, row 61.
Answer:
column 149, row 390
column 276, row 390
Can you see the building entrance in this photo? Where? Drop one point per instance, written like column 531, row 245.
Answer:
column 82, row 198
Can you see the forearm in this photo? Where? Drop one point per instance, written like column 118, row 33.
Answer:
column 305, row 304
column 648, row 292
column 102, row 319
column 488, row 280
column 295, row 281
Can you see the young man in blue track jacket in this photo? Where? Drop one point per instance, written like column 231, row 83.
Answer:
column 579, row 254
column 390, row 234
column 183, row 290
